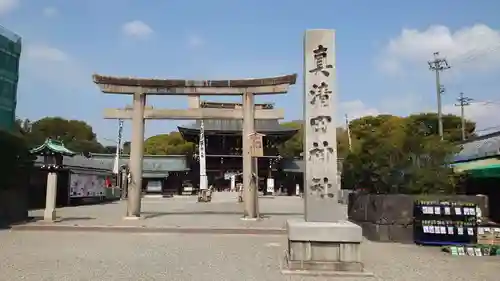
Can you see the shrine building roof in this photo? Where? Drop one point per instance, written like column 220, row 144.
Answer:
column 51, row 146
column 479, row 148
column 235, row 127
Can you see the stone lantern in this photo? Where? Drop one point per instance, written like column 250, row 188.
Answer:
column 53, row 153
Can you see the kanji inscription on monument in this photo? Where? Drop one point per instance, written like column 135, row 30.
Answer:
column 321, row 184
column 321, row 61
column 320, row 123
column 320, row 94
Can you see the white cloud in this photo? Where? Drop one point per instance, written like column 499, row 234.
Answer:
column 7, row 6
column 484, row 114
column 356, row 109
column 137, row 29
column 42, row 52
column 195, row 41
column 50, row 12
column 474, row 47
column 52, row 66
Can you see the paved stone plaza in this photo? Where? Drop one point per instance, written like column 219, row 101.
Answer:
column 59, row 255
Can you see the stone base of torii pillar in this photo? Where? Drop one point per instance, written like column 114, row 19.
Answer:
column 323, row 242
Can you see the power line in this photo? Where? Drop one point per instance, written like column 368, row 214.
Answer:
column 469, row 57
column 438, row 65
column 463, row 101
column 476, row 53
column 494, row 102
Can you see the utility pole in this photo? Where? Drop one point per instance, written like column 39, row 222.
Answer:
column 116, row 166
column 437, row 65
column 348, row 132
column 463, row 101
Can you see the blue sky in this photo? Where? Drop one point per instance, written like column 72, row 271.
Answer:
column 382, row 52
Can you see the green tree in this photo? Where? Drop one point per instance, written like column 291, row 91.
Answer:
column 376, row 150
column 398, row 155
column 452, row 125
column 168, row 144
column 75, row 134
column 109, row 149
column 126, row 147
column 292, row 147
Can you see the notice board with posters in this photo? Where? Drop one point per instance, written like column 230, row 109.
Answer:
column 444, row 222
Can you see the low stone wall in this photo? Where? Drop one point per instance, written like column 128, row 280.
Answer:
column 13, row 206
column 389, row 218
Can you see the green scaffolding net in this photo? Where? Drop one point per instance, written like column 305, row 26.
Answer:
column 10, row 53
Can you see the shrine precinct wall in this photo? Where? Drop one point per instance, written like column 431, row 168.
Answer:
column 389, row 217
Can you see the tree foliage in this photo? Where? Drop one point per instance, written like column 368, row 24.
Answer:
column 168, row 144
column 394, row 154
column 109, row 149
column 75, row 134
column 292, row 147
column 126, row 147
column 452, row 125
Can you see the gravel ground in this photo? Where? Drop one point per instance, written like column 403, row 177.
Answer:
column 44, row 256
column 63, row 256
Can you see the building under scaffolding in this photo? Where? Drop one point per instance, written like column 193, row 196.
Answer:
column 10, row 53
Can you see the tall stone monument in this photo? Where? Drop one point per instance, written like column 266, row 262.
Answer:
column 324, row 242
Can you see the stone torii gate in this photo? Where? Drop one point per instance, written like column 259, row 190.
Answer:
column 139, row 88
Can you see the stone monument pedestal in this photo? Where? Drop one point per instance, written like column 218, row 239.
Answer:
column 324, row 248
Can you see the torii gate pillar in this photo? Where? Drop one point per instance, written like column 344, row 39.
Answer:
column 250, row 174
column 136, row 157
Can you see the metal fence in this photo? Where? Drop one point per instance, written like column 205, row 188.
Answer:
column 10, row 53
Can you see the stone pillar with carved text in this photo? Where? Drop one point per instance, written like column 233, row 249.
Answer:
column 321, row 186
column 324, row 241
